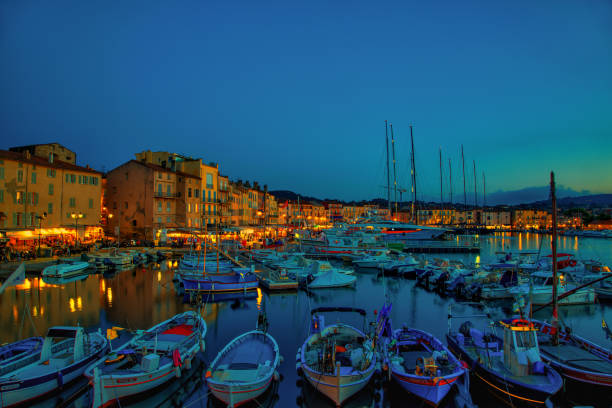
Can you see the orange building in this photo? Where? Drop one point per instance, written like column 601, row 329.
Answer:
column 39, row 194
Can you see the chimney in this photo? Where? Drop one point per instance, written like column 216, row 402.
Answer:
column 51, row 157
column 26, row 154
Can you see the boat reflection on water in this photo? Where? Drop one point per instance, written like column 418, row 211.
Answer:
column 203, row 298
column 63, row 281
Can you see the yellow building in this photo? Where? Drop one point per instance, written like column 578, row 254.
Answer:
column 49, row 193
column 208, row 174
column 224, row 209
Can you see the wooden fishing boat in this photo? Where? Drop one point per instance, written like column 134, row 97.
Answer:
column 65, row 270
column 241, row 279
column 20, row 353
column 149, row 360
column 417, row 360
column 510, row 366
column 245, row 368
column 338, row 360
column 65, row 353
column 574, row 357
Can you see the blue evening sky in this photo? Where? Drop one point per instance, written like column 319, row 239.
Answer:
column 295, row 94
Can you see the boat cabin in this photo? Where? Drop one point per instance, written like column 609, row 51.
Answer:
column 521, row 352
column 63, row 345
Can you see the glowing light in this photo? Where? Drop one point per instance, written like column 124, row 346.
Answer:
column 103, row 285
column 26, row 285
column 259, row 298
column 34, row 311
column 71, row 304
column 159, row 276
column 79, row 303
column 109, row 296
column 15, row 313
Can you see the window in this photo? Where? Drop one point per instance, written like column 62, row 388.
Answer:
column 168, row 207
column 209, row 196
column 159, row 206
column 168, row 176
column 159, row 220
column 33, row 177
column 50, row 189
column 196, row 208
column 35, row 198
column 80, row 181
column 72, row 202
column 51, row 173
column 1, row 196
column 169, row 190
column 160, row 175
column 189, row 207
column 67, row 178
column 189, row 192
column 125, row 205
column 19, row 197
column 209, row 180
column 72, row 178
column 214, row 196
column 19, row 176
column 159, row 189
column 196, row 193
column 1, row 173
column 189, row 222
column 168, row 219
column 50, row 208
column 91, row 203
column 134, row 223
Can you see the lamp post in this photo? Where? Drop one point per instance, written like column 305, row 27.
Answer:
column 76, row 217
column 40, row 218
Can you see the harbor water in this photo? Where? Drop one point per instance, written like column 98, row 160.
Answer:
column 142, row 297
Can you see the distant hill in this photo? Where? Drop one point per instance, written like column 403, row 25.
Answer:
column 594, row 200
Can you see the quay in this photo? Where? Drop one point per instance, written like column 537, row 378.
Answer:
column 440, row 247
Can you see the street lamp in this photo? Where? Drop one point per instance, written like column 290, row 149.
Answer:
column 40, row 218
column 76, row 217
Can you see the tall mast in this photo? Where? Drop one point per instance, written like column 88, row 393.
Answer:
column 413, row 171
column 441, row 191
column 484, row 191
column 394, row 168
column 450, row 181
column 463, row 166
column 555, row 315
column 475, row 187
column 388, row 175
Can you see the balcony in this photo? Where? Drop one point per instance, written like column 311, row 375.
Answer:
column 161, row 194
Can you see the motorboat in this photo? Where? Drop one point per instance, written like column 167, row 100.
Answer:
column 338, row 360
column 329, row 279
column 149, row 360
column 65, row 353
column 372, row 260
column 245, row 368
column 65, row 270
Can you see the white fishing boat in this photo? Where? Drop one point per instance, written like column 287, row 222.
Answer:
column 65, row 270
column 404, row 261
column 65, row 353
column 245, row 368
column 338, row 360
column 148, row 360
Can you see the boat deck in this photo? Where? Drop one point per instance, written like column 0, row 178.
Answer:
column 246, row 362
column 576, row 357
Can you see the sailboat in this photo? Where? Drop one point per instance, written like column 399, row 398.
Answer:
column 579, row 360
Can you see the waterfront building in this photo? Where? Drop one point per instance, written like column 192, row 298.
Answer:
column 334, row 211
column 142, row 199
column 45, row 151
column 495, row 218
column 529, row 218
column 42, row 196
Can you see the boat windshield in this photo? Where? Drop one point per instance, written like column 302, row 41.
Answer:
column 525, row 339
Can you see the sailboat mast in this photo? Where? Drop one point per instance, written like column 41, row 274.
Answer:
column 388, row 175
column 484, row 191
column 463, row 167
column 555, row 312
column 450, row 181
column 394, row 168
column 475, row 187
column 441, row 190
column 413, row 171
